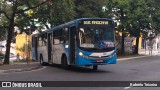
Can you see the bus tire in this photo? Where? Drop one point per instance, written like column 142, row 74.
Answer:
column 41, row 60
column 64, row 63
column 95, row 67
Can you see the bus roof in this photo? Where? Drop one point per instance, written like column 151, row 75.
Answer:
column 70, row 23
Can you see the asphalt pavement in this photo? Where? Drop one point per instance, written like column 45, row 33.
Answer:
column 19, row 67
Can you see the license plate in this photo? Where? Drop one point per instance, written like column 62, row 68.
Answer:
column 99, row 60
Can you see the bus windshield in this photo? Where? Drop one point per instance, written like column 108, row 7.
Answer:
column 96, row 37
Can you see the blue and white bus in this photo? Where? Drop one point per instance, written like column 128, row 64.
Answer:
column 82, row 42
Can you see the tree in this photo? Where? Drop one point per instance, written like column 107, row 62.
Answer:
column 15, row 7
column 2, row 33
column 134, row 16
column 138, row 16
column 53, row 12
column 3, row 21
column 154, row 10
column 121, row 9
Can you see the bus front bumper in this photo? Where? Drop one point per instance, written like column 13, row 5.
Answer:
column 86, row 61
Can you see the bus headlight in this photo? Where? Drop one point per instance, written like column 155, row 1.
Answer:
column 112, row 55
column 80, row 54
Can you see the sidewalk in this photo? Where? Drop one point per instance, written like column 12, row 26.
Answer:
column 146, row 52
column 128, row 57
column 19, row 67
column 142, row 53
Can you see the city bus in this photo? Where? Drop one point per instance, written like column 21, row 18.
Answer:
column 81, row 42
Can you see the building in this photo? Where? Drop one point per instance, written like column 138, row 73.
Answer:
column 23, row 45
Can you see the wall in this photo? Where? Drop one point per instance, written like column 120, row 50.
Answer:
column 21, row 47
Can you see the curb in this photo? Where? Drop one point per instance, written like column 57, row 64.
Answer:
column 133, row 57
column 20, row 70
column 26, row 63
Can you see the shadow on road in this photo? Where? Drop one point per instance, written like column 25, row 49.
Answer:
column 81, row 69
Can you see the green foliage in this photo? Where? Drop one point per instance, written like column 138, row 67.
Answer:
column 90, row 8
column 3, row 20
column 134, row 14
column 155, row 12
column 25, row 18
column 19, row 61
column 58, row 12
column 138, row 15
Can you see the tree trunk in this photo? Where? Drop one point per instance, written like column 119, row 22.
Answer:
column 122, row 47
column 136, row 47
column 10, row 34
column 137, row 42
column 122, row 27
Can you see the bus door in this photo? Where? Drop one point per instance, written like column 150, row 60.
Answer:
column 72, row 38
column 34, row 48
column 49, row 47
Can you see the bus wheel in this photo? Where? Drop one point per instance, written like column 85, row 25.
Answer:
column 95, row 67
column 41, row 60
column 64, row 63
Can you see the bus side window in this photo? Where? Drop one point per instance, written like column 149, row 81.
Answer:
column 65, row 32
column 53, row 37
column 56, row 41
column 44, row 39
column 39, row 41
column 56, row 37
column 61, row 37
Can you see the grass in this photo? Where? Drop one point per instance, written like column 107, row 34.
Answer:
column 19, row 61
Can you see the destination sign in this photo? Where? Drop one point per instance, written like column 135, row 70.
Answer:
column 96, row 22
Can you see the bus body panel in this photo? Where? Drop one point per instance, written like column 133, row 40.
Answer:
column 43, row 51
column 94, row 58
column 88, row 58
column 58, row 50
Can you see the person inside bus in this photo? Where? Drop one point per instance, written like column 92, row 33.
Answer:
column 98, row 36
column 81, row 34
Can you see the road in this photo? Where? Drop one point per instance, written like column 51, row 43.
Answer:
column 142, row 69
